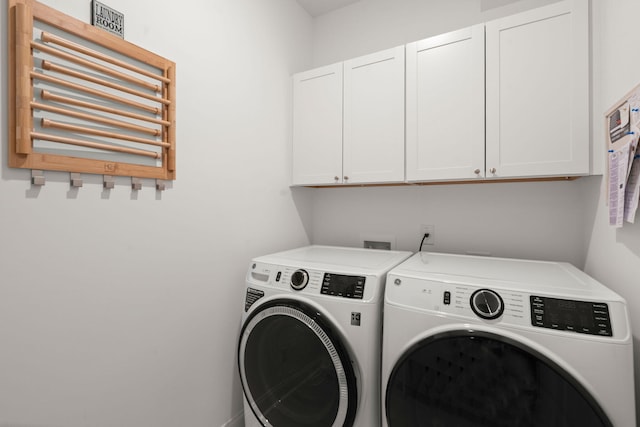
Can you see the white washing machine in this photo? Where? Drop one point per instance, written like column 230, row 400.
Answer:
column 309, row 347
column 479, row 341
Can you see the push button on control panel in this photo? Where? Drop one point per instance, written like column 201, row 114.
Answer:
column 446, row 299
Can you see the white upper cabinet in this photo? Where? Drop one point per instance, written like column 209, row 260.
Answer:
column 374, row 118
column 445, row 106
column 350, row 130
column 317, row 126
column 501, row 100
column 537, row 100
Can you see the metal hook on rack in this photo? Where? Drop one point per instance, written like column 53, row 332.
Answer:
column 76, row 180
column 108, row 182
column 37, row 177
column 136, row 184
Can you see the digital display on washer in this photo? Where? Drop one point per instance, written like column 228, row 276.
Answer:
column 343, row 286
column 570, row 315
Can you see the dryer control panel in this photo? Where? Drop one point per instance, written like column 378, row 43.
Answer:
column 343, row 286
column 358, row 288
column 570, row 315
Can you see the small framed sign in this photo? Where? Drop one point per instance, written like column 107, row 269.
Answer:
column 107, row 18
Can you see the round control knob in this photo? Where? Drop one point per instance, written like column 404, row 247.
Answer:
column 299, row 279
column 487, row 304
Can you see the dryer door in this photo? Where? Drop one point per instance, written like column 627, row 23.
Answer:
column 475, row 379
column 294, row 369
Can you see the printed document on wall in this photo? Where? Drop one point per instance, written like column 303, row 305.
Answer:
column 623, row 163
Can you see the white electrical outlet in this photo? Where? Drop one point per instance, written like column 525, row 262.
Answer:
column 430, row 239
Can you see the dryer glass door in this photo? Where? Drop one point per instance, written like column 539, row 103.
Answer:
column 477, row 379
column 294, row 370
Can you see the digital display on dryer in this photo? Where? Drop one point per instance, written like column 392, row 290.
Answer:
column 343, row 286
column 570, row 315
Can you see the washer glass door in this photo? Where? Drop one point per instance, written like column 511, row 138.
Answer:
column 294, row 370
column 477, row 379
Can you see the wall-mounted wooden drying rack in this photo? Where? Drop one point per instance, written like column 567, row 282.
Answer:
column 83, row 100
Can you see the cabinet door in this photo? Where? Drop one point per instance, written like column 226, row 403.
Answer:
column 538, row 92
column 317, row 126
column 445, row 106
column 374, row 118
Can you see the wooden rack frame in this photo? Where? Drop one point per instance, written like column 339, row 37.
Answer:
column 89, row 100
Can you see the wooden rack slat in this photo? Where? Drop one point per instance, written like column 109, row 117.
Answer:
column 105, row 95
column 47, row 95
column 48, row 123
column 24, row 91
column 96, row 145
column 169, row 114
column 48, row 65
column 51, row 38
column 94, row 118
column 89, row 64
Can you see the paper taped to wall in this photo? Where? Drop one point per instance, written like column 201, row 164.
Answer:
column 623, row 165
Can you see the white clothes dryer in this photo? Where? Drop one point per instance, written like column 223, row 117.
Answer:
column 309, row 347
column 477, row 341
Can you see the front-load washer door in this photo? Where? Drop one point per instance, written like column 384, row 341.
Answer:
column 295, row 371
column 476, row 379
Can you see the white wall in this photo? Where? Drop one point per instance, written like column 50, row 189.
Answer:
column 121, row 308
column 613, row 255
column 559, row 221
column 542, row 220
column 371, row 25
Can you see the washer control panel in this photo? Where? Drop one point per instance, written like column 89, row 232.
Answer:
column 494, row 305
column 570, row 315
